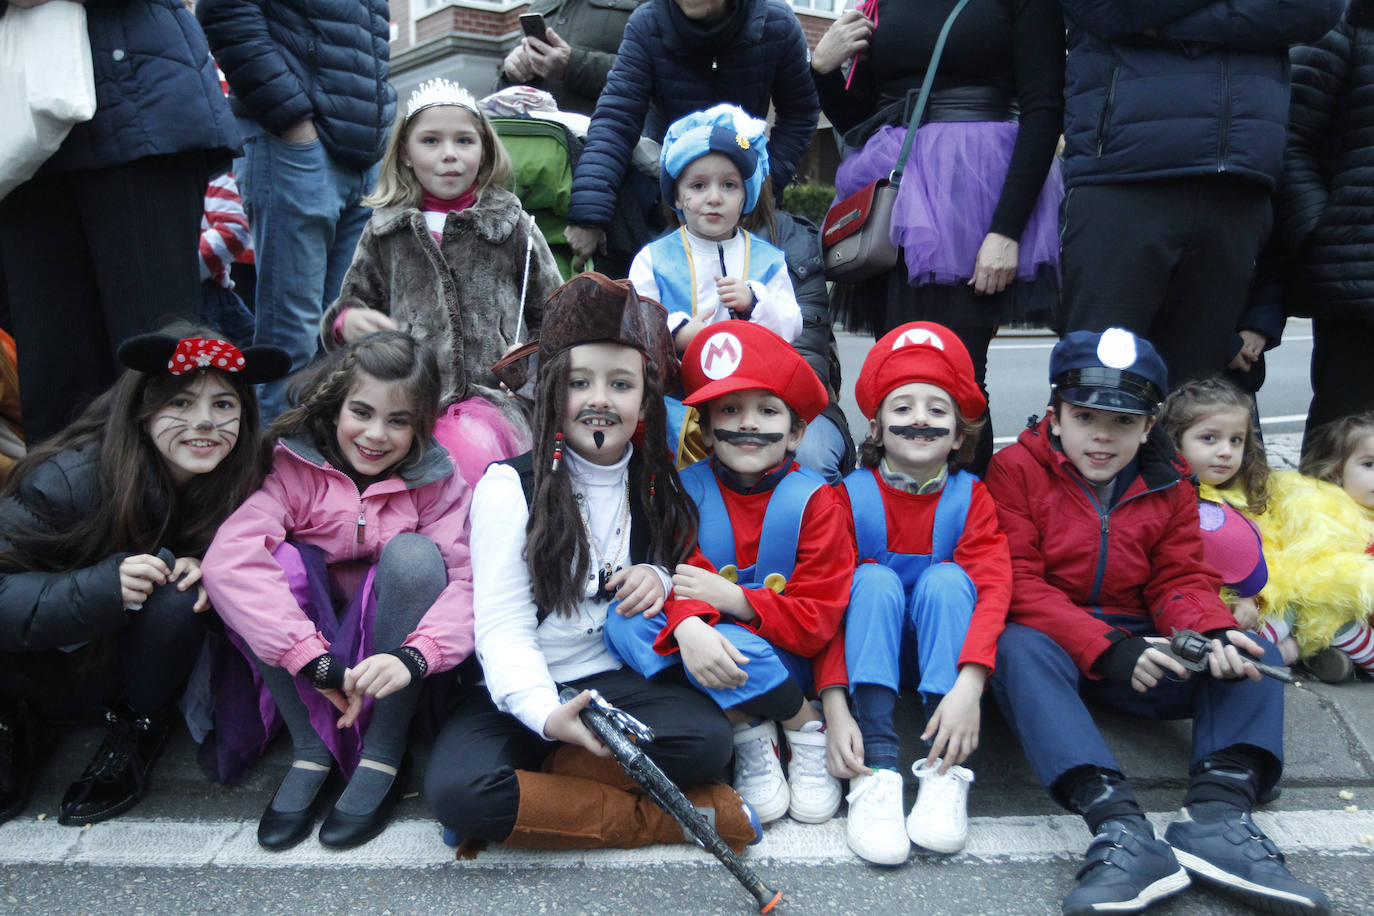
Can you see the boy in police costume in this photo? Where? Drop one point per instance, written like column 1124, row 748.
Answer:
column 1101, row 518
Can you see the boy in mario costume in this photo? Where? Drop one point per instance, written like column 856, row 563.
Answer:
column 781, row 559
column 931, row 591
column 1102, row 522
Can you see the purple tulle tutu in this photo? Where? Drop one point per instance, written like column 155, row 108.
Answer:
column 948, row 194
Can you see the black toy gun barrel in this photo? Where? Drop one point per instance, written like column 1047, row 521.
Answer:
column 613, row 727
column 1192, row 648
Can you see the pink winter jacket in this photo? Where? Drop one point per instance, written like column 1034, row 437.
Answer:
column 308, row 501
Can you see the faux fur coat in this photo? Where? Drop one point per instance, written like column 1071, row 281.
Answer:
column 461, row 296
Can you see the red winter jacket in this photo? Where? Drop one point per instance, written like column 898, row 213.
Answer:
column 1072, row 560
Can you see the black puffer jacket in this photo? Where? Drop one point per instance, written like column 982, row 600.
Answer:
column 670, row 66
column 288, row 60
column 1325, row 207
column 45, row 610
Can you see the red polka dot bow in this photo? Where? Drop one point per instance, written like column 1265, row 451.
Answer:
column 194, row 353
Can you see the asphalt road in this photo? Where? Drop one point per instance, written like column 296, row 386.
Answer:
column 1018, row 380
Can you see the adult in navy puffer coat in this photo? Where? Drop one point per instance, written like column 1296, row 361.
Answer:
column 680, row 56
column 309, row 83
column 100, row 245
column 1174, row 121
column 1324, row 212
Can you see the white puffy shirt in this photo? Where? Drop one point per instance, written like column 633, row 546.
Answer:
column 522, row 659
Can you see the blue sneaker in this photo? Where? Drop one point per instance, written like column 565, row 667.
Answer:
column 452, row 837
column 1235, row 855
column 1124, row 871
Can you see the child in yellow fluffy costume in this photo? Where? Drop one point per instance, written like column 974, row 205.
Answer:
column 1329, row 528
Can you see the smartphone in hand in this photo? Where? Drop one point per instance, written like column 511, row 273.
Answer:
column 532, row 24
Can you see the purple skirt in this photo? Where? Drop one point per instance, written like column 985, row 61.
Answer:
column 245, row 715
column 948, row 195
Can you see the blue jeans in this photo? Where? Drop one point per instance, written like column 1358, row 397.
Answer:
column 304, row 211
column 1044, row 698
column 822, row 449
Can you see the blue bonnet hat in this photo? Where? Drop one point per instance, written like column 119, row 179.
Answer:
column 724, row 129
column 1109, row 370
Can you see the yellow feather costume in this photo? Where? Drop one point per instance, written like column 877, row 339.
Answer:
column 1315, row 543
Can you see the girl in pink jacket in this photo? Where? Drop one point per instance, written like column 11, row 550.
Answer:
column 346, row 579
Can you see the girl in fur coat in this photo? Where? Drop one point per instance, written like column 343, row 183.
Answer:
column 450, row 257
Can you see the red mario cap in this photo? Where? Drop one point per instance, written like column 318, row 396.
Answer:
column 739, row 355
column 919, row 351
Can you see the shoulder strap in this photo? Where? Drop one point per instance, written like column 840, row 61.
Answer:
column 896, row 177
column 951, row 512
column 870, row 517
column 782, row 522
column 715, row 537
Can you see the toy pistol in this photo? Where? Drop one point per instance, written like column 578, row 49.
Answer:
column 620, row 731
column 1191, row 648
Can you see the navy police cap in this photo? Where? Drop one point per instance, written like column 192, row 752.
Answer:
column 1108, row 370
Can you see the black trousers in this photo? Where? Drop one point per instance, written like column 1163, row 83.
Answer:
column 92, row 258
column 1342, row 373
column 471, row 785
column 142, row 667
column 1171, row 260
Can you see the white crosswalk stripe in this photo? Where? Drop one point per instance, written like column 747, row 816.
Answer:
column 127, row 842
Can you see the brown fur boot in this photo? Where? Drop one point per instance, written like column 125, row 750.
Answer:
column 569, row 812
column 572, row 760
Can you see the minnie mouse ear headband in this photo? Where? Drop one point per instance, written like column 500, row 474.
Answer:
column 163, row 354
column 919, row 351
column 724, row 129
column 592, row 308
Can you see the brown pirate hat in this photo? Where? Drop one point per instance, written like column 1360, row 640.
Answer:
column 592, row 308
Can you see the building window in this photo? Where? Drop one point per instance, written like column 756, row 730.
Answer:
column 819, row 6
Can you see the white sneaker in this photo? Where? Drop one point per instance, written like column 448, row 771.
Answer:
column 758, row 771
column 874, row 828
column 815, row 793
column 939, row 819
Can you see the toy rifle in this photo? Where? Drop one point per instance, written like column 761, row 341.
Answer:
column 622, row 733
column 1191, row 648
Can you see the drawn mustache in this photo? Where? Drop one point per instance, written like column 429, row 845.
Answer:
column 591, row 413
column 918, row 432
column 734, row 438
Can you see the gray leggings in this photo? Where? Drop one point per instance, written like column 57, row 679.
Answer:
column 410, row 575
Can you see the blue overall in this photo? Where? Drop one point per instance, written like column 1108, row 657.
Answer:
column 907, row 612
column 1042, row 694
column 631, row 639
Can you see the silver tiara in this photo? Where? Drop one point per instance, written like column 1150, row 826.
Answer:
column 439, row 92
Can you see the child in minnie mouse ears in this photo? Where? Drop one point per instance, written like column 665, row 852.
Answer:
column 101, row 531
column 931, row 591
column 764, row 615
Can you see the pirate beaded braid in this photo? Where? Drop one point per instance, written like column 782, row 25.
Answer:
column 556, row 551
column 674, row 531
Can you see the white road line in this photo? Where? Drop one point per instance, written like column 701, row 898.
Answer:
column 128, row 842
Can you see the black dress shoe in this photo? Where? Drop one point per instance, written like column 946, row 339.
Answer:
column 23, row 748
column 279, row 830
column 344, row 831
column 117, row 777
